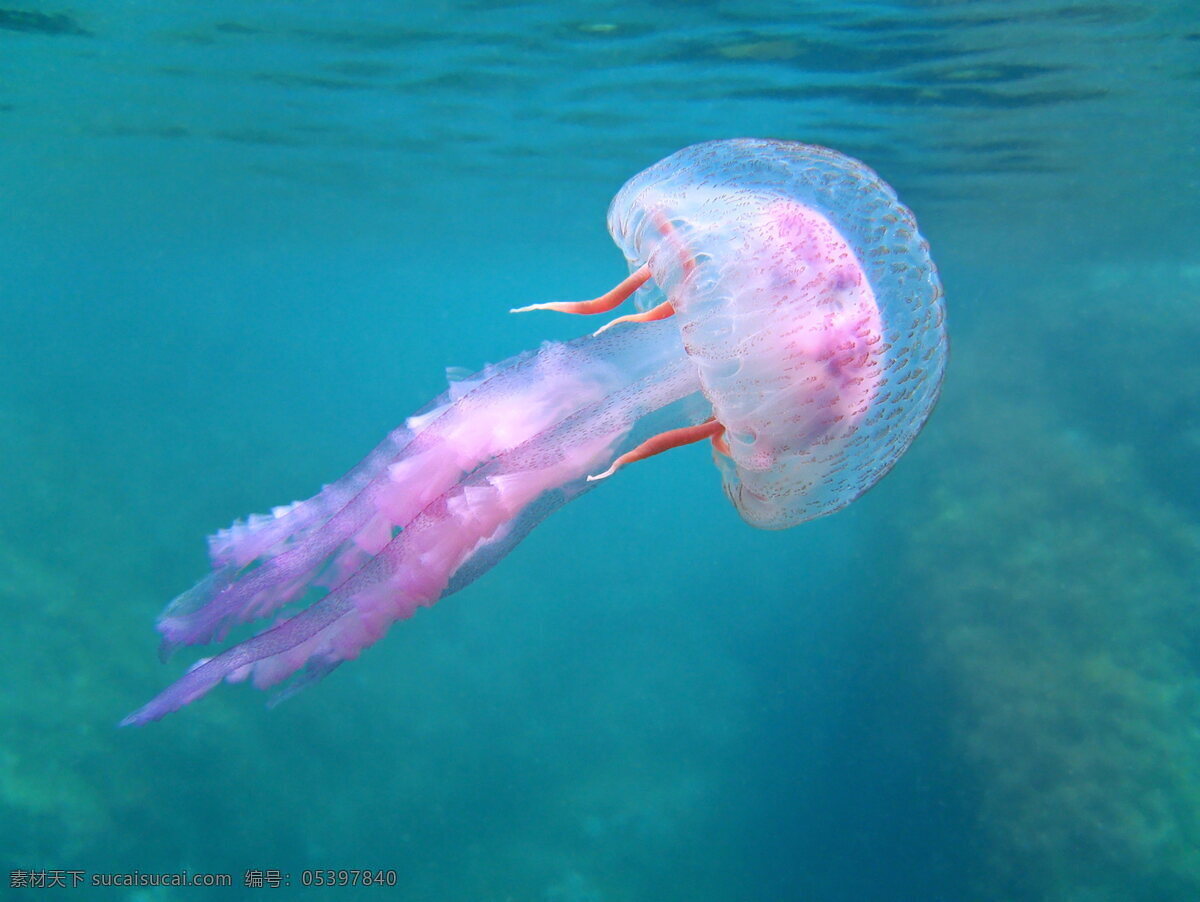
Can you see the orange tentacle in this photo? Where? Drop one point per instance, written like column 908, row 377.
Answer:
column 662, row 311
column 686, row 261
column 664, row 441
column 606, row 302
column 719, row 442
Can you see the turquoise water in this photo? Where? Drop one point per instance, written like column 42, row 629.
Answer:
column 240, row 244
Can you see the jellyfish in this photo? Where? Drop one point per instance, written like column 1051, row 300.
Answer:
column 789, row 314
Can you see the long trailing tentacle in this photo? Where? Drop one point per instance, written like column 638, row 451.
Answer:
column 458, row 534
column 236, row 593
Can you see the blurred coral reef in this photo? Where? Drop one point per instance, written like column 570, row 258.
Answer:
column 1056, row 557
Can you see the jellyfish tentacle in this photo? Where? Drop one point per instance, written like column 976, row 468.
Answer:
column 661, row 311
column 610, row 300
column 687, row 260
column 720, row 443
column 665, row 441
column 507, row 456
column 232, row 595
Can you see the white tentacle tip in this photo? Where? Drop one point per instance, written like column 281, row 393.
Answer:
column 603, row 475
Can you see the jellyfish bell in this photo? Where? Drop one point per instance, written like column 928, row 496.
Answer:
column 789, row 313
column 809, row 304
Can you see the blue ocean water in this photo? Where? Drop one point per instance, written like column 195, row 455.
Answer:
column 242, row 242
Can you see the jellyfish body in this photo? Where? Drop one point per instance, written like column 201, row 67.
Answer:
column 808, row 302
column 807, row 333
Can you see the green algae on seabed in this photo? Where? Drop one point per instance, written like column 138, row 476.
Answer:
column 1059, row 590
column 45, row 801
column 73, row 793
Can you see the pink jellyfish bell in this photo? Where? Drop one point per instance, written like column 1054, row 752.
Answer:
column 790, row 314
column 809, row 305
